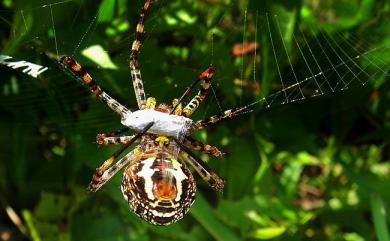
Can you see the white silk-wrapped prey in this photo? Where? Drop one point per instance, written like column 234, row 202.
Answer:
column 164, row 123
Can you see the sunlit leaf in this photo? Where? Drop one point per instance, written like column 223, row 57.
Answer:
column 98, row 55
column 268, row 233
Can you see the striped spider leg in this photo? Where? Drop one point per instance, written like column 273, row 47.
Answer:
column 107, row 170
column 219, row 117
column 203, row 91
column 134, row 65
column 204, row 171
column 81, row 74
column 199, row 146
column 112, row 138
column 103, row 140
column 206, row 75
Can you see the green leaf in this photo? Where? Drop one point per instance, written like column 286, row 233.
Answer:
column 186, row 17
column 93, row 227
column 106, row 11
column 204, row 214
column 52, row 207
column 28, row 218
column 378, row 210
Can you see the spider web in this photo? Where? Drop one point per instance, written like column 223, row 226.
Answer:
column 310, row 64
column 321, row 64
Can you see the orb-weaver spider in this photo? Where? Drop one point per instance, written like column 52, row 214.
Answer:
column 156, row 182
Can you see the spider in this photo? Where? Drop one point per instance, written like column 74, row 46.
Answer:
column 156, row 182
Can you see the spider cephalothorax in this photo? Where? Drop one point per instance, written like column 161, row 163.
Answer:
column 156, row 182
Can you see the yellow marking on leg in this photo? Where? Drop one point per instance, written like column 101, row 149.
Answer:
column 138, row 152
column 150, row 103
column 140, row 28
column 179, row 108
column 187, row 111
column 105, row 165
column 76, row 67
column 136, row 45
column 87, row 78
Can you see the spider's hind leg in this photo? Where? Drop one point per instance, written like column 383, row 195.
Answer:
column 107, row 170
column 214, row 181
column 205, row 148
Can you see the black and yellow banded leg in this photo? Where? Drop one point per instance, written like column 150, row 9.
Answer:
column 217, row 118
column 207, row 76
column 100, row 137
column 116, row 133
column 134, row 65
column 199, row 146
column 107, row 170
column 205, row 172
column 202, row 76
column 103, row 140
column 178, row 107
column 72, row 65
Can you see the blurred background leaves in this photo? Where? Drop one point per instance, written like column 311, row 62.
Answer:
column 315, row 169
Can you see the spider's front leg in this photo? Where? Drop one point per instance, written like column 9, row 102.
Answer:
column 134, row 65
column 214, row 181
column 219, row 117
column 206, row 75
column 75, row 68
column 199, row 146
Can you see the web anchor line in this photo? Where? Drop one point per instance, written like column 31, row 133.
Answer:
column 276, row 60
column 288, row 56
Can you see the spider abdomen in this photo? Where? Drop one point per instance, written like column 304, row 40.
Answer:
column 159, row 190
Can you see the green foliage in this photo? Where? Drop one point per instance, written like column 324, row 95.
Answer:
column 317, row 169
